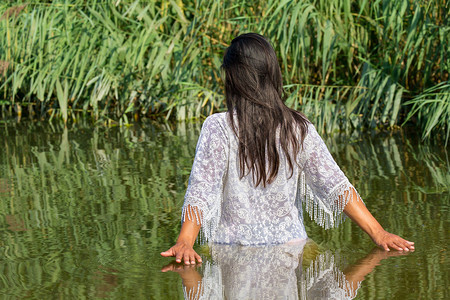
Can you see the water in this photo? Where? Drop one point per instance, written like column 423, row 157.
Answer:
column 85, row 212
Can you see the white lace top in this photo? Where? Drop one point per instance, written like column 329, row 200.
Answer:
column 234, row 211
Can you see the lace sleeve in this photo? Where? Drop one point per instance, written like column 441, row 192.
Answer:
column 324, row 189
column 202, row 202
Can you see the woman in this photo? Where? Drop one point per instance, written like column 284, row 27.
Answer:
column 256, row 163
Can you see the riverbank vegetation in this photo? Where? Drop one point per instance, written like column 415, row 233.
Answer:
column 346, row 64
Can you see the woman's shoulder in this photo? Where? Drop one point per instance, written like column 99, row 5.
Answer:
column 311, row 129
column 217, row 117
column 306, row 131
column 311, row 141
column 312, row 135
column 217, row 120
column 216, row 123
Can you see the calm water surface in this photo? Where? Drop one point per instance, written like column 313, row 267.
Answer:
column 85, row 212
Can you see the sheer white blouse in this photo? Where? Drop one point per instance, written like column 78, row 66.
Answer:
column 233, row 211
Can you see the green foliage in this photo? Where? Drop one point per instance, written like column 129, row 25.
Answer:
column 432, row 108
column 346, row 64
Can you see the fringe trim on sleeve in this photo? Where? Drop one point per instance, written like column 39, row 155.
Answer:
column 323, row 280
column 209, row 221
column 327, row 212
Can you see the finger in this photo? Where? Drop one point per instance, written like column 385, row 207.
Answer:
column 396, row 246
column 399, row 245
column 178, row 258
column 199, row 259
column 192, row 258
column 168, row 253
column 186, row 259
column 405, row 245
column 410, row 245
column 385, row 247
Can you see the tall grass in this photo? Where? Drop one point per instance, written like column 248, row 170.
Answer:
column 346, row 64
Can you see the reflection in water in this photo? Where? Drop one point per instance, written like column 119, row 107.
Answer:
column 265, row 272
column 106, row 281
column 85, row 212
column 15, row 223
column 82, row 210
column 275, row 272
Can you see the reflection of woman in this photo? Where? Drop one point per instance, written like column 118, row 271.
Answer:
column 273, row 272
column 257, row 162
column 255, row 272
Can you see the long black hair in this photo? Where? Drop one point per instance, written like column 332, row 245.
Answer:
column 254, row 92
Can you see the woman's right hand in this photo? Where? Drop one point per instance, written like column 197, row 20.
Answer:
column 183, row 252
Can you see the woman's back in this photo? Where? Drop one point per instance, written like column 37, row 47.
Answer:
column 237, row 211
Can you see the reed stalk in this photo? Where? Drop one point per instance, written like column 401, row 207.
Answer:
column 346, row 64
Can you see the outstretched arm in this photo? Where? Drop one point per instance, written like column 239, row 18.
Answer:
column 357, row 211
column 203, row 196
column 183, row 249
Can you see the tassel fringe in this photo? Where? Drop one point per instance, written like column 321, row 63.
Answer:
column 209, row 222
column 322, row 279
column 327, row 212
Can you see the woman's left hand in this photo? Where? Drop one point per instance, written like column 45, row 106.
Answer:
column 359, row 213
column 386, row 240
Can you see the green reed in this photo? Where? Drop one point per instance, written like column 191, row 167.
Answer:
column 346, row 64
